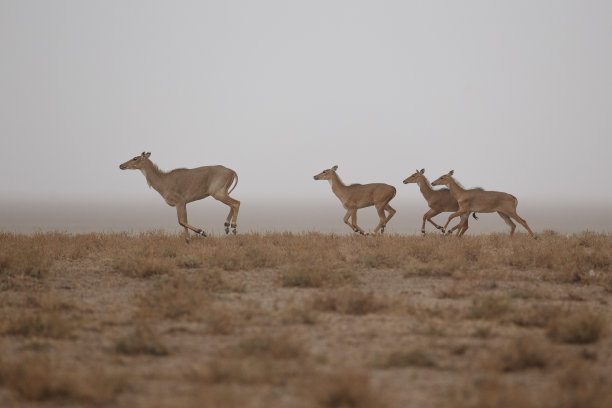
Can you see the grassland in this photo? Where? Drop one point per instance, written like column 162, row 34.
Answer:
column 305, row 320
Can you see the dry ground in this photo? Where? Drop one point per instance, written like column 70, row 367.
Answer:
column 305, row 320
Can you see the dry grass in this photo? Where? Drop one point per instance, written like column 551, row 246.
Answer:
column 490, row 307
column 176, row 297
column 579, row 327
column 417, row 357
column 40, row 379
column 281, row 346
column 345, row 389
column 348, row 301
column 38, row 324
column 142, row 266
column 143, row 340
column 302, row 320
column 523, row 353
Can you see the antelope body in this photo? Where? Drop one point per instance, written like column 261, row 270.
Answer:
column 181, row 186
column 358, row 196
column 438, row 201
column 482, row 201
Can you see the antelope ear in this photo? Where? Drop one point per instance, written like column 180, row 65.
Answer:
column 147, row 155
column 143, row 154
column 335, row 168
column 450, row 173
column 422, row 171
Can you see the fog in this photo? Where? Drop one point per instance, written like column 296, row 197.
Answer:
column 514, row 96
column 296, row 217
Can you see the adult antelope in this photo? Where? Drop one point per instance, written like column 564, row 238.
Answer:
column 482, row 201
column 438, row 201
column 358, row 196
column 181, row 186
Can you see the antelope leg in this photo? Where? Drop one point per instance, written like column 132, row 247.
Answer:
column 181, row 211
column 428, row 217
column 354, row 219
column 234, row 206
column 382, row 217
column 523, row 223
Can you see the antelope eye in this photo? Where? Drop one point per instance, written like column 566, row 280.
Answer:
column 135, row 158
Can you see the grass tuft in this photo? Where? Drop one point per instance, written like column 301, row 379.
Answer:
column 580, row 327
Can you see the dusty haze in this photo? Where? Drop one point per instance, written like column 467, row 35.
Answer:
column 325, row 216
column 514, row 96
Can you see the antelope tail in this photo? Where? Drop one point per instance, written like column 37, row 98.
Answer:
column 235, row 184
column 474, row 215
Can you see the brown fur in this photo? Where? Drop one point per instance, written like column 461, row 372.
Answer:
column 181, row 186
column 438, row 201
column 358, row 196
column 482, row 201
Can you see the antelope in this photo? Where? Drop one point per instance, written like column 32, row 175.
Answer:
column 438, row 201
column 358, row 196
column 482, row 201
column 181, row 186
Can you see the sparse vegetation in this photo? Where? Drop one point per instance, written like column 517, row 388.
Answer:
column 348, row 301
column 305, row 320
column 38, row 324
column 417, row 357
column 579, row 327
column 524, row 353
column 143, row 340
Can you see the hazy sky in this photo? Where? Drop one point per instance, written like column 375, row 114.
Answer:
column 513, row 95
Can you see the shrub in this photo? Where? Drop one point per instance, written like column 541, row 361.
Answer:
column 39, row 379
column 524, row 353
column 348, row 301
column 141, row 267
column 345, row 390
column 143, row 340
column 580, row 327
column 39, row 324
column 489, row 307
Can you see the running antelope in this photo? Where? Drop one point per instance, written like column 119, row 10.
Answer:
column 358, row 196
column 181, row 186
column 438, row 201
column 482, row 201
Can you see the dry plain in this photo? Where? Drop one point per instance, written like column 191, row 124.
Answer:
column 305, row 320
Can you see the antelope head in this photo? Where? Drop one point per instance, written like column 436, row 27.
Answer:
column 444, row 180
column 136, row 163
column 415, row 177
column 326, row 174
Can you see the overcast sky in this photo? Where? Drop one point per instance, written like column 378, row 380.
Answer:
column 513, row 95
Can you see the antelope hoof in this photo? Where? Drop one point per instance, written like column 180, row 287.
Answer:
column 227, row 230
column 382, row 230
column 234, row 231
column 440, row 228
column 201, row 232
column 423, row 231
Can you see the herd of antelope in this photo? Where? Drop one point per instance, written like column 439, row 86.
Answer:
column 181, row 186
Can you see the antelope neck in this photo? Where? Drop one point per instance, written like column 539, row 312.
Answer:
column 454, row 187
column 153, row 174
column 338, row 186
column 425, row 187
